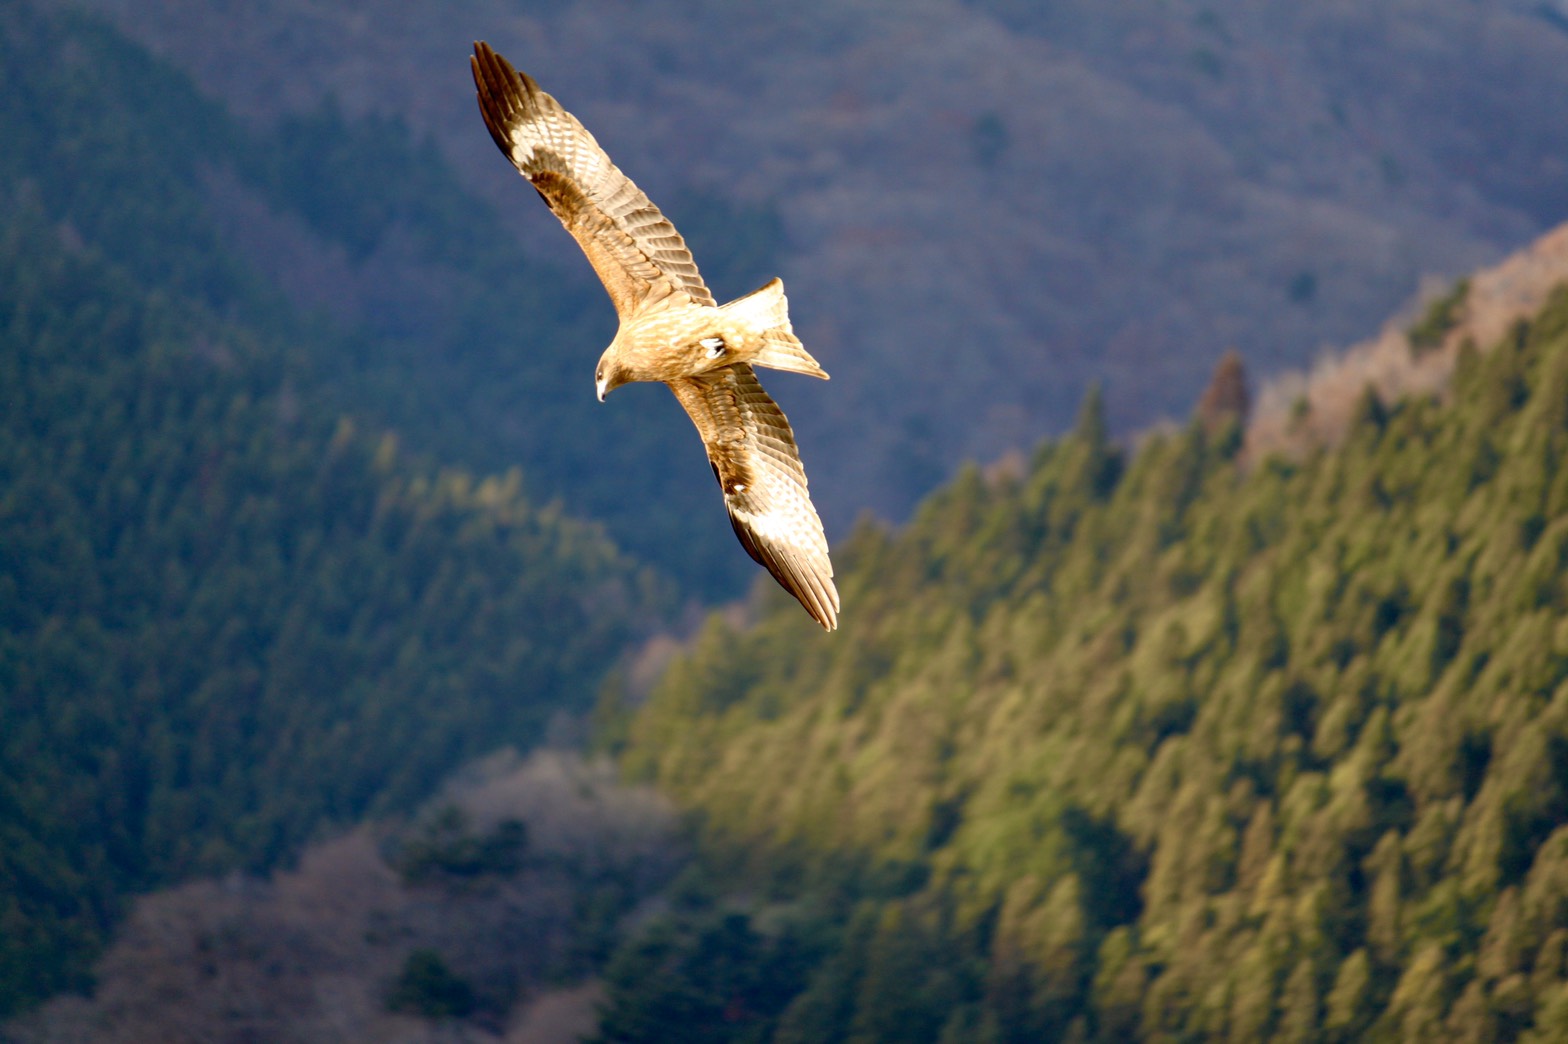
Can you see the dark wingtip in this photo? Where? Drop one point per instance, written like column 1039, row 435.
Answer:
column 495, row 85
column 506, row 96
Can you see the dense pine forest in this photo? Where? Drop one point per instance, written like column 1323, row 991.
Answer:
column 230, row 614
column 1145, row 744
column 354, row 241
column 1165, row 738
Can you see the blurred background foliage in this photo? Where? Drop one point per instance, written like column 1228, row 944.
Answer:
column 1148, row 739
column 230, row 614
column 1143, row 744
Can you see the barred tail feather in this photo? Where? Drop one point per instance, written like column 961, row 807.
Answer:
column 767, row 309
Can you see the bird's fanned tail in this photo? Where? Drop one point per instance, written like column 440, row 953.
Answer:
column 767, row 309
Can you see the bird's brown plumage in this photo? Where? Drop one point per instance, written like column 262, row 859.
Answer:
column 672, row 330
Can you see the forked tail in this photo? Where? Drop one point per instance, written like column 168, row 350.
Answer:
column 767, row 310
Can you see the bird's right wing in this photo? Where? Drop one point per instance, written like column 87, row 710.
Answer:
column 638, row 254
column 753, row 454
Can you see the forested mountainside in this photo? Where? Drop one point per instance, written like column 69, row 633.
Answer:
column 230, row 615
column 352, row 239
column 980, row 207
column 1145, row 745
column 1180, row 741
column 489, row 906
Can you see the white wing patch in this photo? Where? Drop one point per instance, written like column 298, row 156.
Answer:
column 752, row 450
column 637, row 253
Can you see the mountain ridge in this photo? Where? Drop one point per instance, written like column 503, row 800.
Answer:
column 972, row 194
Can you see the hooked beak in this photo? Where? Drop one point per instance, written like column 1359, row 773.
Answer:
column 607, row 379
column 604, row 376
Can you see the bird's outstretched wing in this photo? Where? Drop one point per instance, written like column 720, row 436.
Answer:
column 638, row 254
column 752, row 451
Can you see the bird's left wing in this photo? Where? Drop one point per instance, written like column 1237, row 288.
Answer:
column 639, row 256
column 753, row 454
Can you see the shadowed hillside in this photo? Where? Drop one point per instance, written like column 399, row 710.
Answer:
column 490, row 907
column 229, row 614
column 404, row 307
column 987, row 206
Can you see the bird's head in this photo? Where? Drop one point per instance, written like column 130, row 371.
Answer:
column 609, row 375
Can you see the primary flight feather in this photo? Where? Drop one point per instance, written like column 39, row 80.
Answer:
column 672, row 330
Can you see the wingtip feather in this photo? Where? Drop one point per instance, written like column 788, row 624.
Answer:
column 814, row 591
column 506, row 94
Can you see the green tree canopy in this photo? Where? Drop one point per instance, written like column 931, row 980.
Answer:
column 1181, row 750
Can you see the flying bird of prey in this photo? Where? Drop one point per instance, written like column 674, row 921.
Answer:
column 671, row 329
